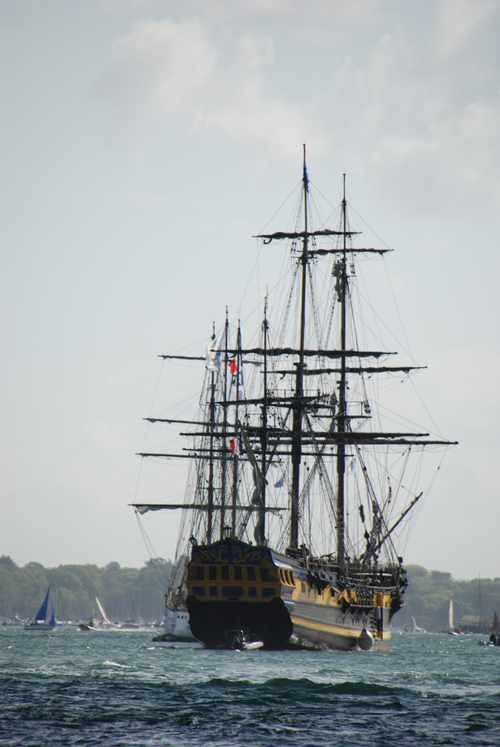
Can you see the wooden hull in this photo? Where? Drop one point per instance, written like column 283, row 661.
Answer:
column 233, row 585
column 331, row 628
column 212, row 622
column 278, row 629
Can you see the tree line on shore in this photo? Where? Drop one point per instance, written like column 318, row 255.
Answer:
column 428, row 596
column 125, row 593
column 140, row 591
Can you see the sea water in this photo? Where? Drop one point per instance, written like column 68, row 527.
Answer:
column 70, row 687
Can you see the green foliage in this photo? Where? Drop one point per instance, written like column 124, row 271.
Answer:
column 7, row 560
column 428, row 597
column 33, row 566
column 122, row 591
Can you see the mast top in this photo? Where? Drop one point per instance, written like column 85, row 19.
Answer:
column 305, row 176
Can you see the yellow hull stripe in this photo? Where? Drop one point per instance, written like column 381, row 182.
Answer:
column 349, row 632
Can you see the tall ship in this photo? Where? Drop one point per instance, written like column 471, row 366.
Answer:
column 304, row 477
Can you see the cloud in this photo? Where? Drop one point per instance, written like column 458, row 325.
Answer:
column 172, row 75
column 456, row 21
column 425, row 122
column 463, row 387
column 452, row 146
column 359, row 12
column 410, row 99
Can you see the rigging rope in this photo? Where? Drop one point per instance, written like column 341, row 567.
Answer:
column 153, row 557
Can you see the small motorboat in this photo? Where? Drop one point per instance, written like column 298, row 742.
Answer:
column 240, row 640
column 90, row 625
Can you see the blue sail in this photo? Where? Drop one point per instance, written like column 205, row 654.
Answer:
column 42, row 612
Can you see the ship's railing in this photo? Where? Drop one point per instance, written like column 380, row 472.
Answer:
column 353, row 576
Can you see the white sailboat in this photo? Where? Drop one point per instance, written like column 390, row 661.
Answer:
column 416, row 628
column 105, row 621
column 452, row 629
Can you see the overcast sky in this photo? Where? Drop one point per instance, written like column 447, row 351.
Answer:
column 143, row 143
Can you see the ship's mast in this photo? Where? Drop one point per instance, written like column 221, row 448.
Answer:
column 297, row 409
column 224, row 430
column 236, row 437
column 281, row 439
column 341, row 417
column 263, row 438
column 479, row 600
column 210, row 502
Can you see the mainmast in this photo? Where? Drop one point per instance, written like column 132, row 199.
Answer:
column 263, row 437
column 297, row 408
column 224, row 430
column 342, row 414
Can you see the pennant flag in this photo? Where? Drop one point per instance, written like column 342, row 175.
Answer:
column 351, row 467
column 233, row 366
column 214, row 352
column 280, row 482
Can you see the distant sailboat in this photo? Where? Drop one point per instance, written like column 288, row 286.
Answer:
column 495, row 625
column 40, row 620
column 452, row 630
column 99, row 621
column 475, row 623
column 130, row 624
column 494, row 639
column 416, row 628
column 106, row 622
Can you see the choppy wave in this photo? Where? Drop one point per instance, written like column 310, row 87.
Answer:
column 126, row 692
